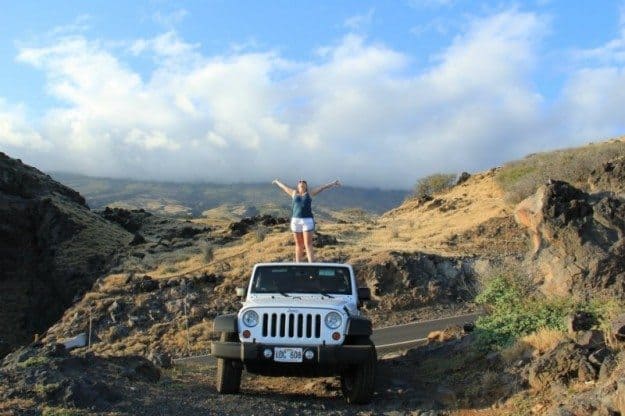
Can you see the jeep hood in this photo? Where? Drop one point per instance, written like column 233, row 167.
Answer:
column 298, row 301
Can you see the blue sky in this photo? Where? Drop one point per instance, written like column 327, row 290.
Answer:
column 373, row 92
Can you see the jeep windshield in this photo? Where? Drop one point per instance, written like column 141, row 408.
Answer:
column 302, row 279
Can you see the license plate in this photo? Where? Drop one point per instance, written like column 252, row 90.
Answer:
column 287, row 355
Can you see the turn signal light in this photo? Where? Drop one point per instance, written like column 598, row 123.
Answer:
column 246, row 334
column 336, row 336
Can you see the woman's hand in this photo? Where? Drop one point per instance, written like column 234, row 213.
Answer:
column 336, row 183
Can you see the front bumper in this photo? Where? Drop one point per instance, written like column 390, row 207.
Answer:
column 248, row 352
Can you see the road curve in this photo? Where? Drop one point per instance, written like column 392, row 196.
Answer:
column 386, row 339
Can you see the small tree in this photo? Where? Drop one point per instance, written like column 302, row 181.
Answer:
column 431, row 184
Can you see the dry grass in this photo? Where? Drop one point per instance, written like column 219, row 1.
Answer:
column 8, row 407
column 544, row 339
column 539, row 342
column 113, row 282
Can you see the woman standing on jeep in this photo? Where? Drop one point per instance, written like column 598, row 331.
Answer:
column 302, row 220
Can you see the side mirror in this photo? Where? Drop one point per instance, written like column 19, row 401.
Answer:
column 241, row 292
column 364, row 293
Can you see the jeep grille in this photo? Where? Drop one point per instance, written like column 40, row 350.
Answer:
column 291, row 325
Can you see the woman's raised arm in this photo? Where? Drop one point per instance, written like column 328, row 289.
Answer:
column 322, row 188
column 285, row 188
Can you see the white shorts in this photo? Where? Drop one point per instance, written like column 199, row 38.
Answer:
column 299, row 225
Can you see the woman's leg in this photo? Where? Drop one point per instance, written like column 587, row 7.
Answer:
column 308, row 243
column 299, row 246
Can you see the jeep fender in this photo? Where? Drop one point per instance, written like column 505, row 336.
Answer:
column 226, row 323
column 359, row 326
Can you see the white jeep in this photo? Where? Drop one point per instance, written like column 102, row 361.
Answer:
column 302, row 320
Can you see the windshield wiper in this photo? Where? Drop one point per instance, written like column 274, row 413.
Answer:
column 286, row 295
column 324, row 293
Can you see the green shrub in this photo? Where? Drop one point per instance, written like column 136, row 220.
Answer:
column 433, row 184
column 515, row 312
column 515, row 309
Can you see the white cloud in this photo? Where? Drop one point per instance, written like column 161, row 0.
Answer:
column 359, row 21
column 169, row 20
column 15, row 132
column 359, row 110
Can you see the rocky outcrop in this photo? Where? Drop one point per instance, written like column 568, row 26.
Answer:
column 407, row 280
column 52, row 248
column 242, row 227
column 144, row 224
column 577, row 240
column 55, row 377
column 147, row 316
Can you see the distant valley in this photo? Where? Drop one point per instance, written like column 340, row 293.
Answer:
column 227, row 201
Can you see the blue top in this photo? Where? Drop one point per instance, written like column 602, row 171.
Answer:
column 302, row 206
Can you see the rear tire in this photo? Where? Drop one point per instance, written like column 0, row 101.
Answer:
column 358, row 382
column 228, row 378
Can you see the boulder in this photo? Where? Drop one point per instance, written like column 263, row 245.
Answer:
column 562, row 364
column 618, row 327
column 607, row 367
column 464, row 176
column 160, row 359
column 401, row 280
column 86, row 393
column 599, row 356
column 242, row 227
column 577, row 240
column 580, row 321
column 591, row 340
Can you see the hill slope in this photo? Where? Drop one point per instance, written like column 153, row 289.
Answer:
column 52, row 247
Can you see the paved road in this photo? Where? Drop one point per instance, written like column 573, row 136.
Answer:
column 387, row 339
column 398, row 337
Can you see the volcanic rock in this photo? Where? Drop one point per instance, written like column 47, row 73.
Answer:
column 578, row 243
column 562, row 364
column 52, row 249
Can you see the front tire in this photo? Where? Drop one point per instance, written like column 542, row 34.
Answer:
column 358, row 382
column 228, row 378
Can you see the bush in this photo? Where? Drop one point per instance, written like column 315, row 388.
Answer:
column 515, row 312
column 433, row 184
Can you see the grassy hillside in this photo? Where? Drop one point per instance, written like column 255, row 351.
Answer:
column 519, row 179
column 192, row 199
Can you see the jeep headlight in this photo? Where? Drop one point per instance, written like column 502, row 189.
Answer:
column 250, row 319
column 333, row 320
